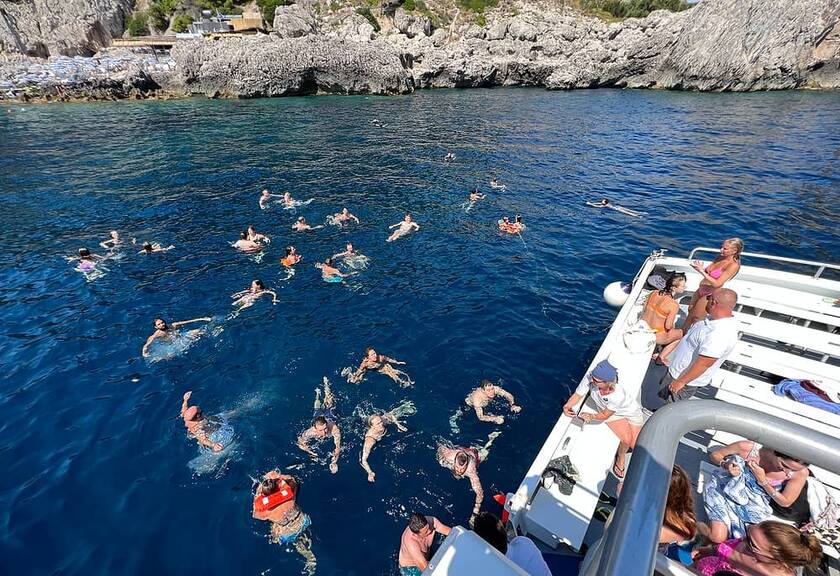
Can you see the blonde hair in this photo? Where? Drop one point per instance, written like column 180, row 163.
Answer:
column 790, row 546
column 738, row 244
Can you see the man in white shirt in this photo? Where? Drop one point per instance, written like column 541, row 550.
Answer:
column 703, row 349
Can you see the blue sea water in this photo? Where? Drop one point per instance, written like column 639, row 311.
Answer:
column 96, row 466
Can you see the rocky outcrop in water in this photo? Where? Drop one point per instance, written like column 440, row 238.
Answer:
column 271, row 66
column 46, row 28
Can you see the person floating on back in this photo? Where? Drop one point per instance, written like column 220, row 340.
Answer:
column 402, row 228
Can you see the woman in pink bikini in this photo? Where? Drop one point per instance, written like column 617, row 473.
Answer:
column 715, row 275
column 769, row 548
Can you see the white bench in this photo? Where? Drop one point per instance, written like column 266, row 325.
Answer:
column 782, row 363
column 763, row 392
column 825, row 343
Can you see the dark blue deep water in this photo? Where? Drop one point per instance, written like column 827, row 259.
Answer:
column 95, row 477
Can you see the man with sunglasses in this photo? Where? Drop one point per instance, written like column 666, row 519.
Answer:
column 703, row 349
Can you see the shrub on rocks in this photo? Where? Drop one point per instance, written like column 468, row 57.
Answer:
column 138, row 24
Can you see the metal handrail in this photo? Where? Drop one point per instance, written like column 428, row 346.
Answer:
column 630, row 541
column 821, row 266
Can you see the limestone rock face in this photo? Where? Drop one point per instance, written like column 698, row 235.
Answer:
column 294, row 21
column 60, row 27
column 270, row 66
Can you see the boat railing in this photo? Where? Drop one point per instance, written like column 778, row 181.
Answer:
column 632, row 537
column 821, row 267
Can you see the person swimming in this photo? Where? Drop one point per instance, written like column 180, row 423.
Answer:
column 480, row 397
column 246, row 298
column 376, row 431
column 353, row 259
column 152, row 247
column 402, row 228
column 245, row 245
column 450, row 156
column 515, row 227
column 197, row 425
column 464, row 462
column 475, row 196
column 87, row 260
column 323, row 426
column 254, row 236
column 330, row 273
column 111, row 242
column 291, row 258
column 168, row 332
column 301, row 224
column 344, row 216
column 381, row 363
column 275, row 501
column 265, row 198
column 605, row 203
column 496, row 185
column 348, row 252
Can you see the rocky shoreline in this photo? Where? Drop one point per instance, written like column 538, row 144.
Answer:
column 719, row 45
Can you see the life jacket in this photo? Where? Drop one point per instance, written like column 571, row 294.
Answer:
column 288, row 261
column 283, row 494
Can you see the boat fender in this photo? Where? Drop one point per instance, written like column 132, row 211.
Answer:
column 616, row 293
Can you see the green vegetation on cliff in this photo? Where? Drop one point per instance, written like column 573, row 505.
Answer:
column 137, row 24
column 619, row 9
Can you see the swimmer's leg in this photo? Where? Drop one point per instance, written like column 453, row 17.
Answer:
column 317, row 405
column 453, row 421
column 303, row 546
column 329, row 399
column 484, row 451
column 397, row 376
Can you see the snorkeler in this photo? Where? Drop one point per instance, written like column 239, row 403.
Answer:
column 265, row 198
column 376, row 431
column 323, row 425
column 330, row 273
column 111, row 242
column 164, row 331
column 402, row 228
column 275, row 501
column 483, row 395
column 344, row 216
column 301, row 224
column 605, row 203
column 246, row 298
column 152, row 247
column 196, row 424
column 291, row 258
column 381, row 363
column 254, row 236
column 463, row 462
column 245, row 245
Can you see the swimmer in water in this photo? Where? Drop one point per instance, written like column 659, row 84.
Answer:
column 375, row 432
column 246, row 298
column 515, row 227
column 265, row 198
column 402, row 228
column 87, row 260
column 196, row 424
column 275, row 501
column 164, row 331
column 496, row 185
column 328, row 271
column 111, row 242
column 323, row 426
column 416, row 543
column 301, row 224
column 344, row 216
column 383, row 364
column 463, row 462
column 253, row 236
column 605, row 203
column 479, row 398
column 450, row 156
column 152, row 247
column 348, row 251
column 475, row 195
column 291, row 258
column 245, row 245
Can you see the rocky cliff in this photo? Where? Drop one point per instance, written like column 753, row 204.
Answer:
column 733, row 45
column 60, row 27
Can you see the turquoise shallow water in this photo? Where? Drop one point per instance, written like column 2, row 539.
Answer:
column 97, row 477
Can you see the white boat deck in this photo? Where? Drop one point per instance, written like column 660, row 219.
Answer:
column 788, row 330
